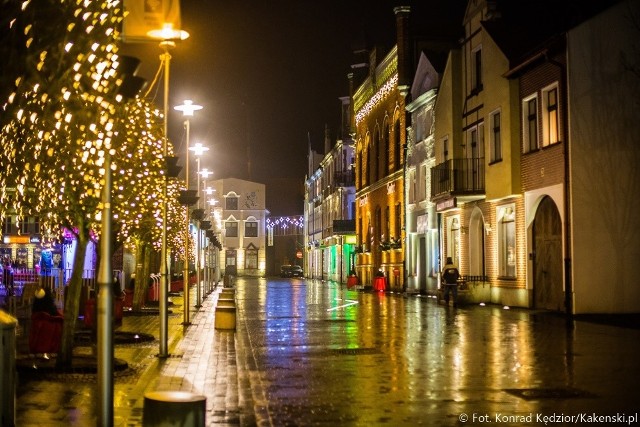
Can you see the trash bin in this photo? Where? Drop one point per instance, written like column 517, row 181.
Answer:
column 7, row 368
column 173, row 408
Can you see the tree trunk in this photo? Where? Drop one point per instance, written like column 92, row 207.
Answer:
column 142, row 277
column 72, row 302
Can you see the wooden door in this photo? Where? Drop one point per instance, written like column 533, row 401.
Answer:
column 547, row 233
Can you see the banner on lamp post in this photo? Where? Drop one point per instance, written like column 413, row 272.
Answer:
column 142, row 16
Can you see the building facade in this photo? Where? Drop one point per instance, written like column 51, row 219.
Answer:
column 243, row 216
column 422, row 238
column 330, row 207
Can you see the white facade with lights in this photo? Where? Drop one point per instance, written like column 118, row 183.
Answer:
column 240, row 213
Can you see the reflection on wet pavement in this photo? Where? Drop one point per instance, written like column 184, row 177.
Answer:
column 323, row 359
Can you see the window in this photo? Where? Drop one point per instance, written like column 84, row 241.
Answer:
column 231, row 229
column 550, row 123
column 398, row 221
column 530, row 125
column 251, row 258
column 387, row 219
column 231, row 203
column 6, row 226
column 397, row 144
column 495, row 140
column 423, row 182
column 476, row 83
column 507, row 241
column 445, row 148
column 251, row 229
column 412, row 186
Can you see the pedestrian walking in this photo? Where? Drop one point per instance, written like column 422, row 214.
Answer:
column 450, row 276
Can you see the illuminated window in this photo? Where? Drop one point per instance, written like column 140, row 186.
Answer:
column 231, row 229
column 453, row 247
column 251, row 229
column 495, row 137
column 507, row 241
column 530, row 124
column 550, row 119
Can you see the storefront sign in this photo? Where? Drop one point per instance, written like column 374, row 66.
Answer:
column 446, row 204
column 35, row 239
column 16, row 239
column 363, row 200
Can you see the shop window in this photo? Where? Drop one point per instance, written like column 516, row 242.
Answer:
column 453, row 247
column 507, row 241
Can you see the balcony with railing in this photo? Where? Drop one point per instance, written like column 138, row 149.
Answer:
column 458, row 177
column 341, row 179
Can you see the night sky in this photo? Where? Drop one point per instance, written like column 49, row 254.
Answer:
column 269, row 74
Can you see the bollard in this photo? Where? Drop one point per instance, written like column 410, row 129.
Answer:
column 228, row 293
column 173, row 408
column 226, row 302
column 7, row 369
column 225, row 318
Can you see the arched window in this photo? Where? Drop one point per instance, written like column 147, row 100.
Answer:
column 384, row 152
column 397, row 145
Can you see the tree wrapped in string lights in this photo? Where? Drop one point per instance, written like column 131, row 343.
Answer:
column 62, row 113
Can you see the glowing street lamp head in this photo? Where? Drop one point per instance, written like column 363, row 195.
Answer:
column 199, row 149
column 168, row 33
column 188, row 107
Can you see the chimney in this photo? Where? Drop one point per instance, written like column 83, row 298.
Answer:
column 327, row 140
column 403, row 42
column 352, row 113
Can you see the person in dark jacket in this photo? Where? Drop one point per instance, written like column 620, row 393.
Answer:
column 44, row 301
column 450, row 276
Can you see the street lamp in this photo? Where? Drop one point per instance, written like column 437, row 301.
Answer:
column 187, row 108
column 168, row 37
column 129, row 87
column 198, row 150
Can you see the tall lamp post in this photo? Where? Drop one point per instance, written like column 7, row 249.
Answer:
column 168, row 36
column 128, row 89
column 187, row 108
column 198, row 150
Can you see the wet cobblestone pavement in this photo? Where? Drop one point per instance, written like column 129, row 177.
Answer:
column 310, row 353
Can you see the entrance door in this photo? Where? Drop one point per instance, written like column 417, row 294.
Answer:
column 547, row 274
column 230, row 262
column 423, row 265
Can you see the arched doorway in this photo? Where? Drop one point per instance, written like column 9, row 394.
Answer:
column 547, row 248
column 476, row 244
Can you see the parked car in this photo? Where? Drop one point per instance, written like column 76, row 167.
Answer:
column 291, row 271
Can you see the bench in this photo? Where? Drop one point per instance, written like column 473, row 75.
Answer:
column 24, row 301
